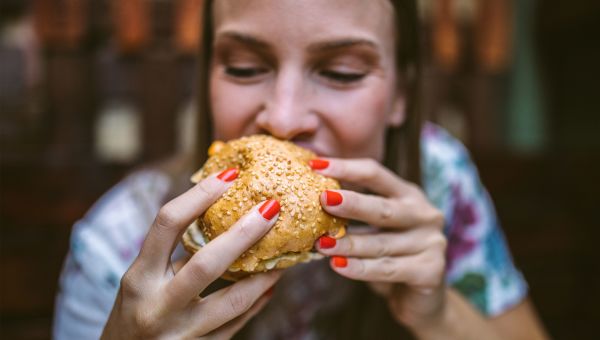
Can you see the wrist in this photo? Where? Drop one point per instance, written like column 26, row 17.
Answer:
column 457, row 320
column 438, row 326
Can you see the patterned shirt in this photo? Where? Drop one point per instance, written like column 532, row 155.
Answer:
column 106, row 241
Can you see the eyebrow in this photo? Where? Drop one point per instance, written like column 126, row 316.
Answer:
column 339, row 44
column 323, row 46
column 245, row 39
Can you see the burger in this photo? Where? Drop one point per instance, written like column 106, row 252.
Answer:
column 268, row 169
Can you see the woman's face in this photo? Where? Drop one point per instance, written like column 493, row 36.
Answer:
column 320, row 73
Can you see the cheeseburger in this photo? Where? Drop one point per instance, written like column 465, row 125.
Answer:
column 268, row 169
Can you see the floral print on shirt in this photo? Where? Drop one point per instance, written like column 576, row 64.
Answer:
column 479, row 264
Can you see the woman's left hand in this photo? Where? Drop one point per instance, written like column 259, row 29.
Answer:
column 403, row 255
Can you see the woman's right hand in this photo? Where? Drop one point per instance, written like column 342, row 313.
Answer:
column 155, row 302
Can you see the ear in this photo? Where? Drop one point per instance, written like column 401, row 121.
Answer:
column 398, row 112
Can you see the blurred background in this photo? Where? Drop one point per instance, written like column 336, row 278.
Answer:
column 91, row 89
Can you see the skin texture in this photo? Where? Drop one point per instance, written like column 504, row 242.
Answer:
column 295, row 95
column 158, row 299
column 319, row 73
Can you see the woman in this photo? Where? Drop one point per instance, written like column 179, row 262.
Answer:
column 338, row 77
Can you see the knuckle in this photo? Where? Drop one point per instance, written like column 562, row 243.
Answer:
column 357, row 269
column 350, row 204
column 129, row 286
column 166, row 217
column 429, row 215
column 437, row 218
column 434, row 275
column 438, row 241
column 441, row 267
column 370, row 170
column 350, row 245
column 413, row 188
column 206, row 190
column 442, row 243
column 386, row 212
column 384, row 247
column 386, row 268
column 200, row 270
column 341, row 168
column 238, row 303
column 246, row 232
column 439, row 263
column 346, row 246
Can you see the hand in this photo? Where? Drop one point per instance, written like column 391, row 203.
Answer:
column 155, row 302
column 403, row 255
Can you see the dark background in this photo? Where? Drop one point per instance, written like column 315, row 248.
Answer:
column 545, row 189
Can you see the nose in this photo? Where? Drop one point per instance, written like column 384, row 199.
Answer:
column 287, row 114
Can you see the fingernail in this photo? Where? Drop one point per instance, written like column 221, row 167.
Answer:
column 228, row 175
column 339, row 261
column 333, row 197
column 269, row 209
column 326, row 242
column 318, row 164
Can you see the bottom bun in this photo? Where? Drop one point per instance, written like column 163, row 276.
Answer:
column 193, row 240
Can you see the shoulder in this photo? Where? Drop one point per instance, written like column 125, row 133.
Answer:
column 140, row 187
column 479, row 262
column 451, row 182
column 109, row 236
column 446, row 167
column 132, row 199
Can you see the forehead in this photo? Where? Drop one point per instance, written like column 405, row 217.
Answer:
column 305, row 21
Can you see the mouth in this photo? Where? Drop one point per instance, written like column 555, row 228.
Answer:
column 311, row 147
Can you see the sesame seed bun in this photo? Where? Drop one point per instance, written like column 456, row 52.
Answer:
column 269, row 169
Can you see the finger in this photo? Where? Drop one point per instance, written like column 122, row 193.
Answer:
column 423, row 270
column 366, row 173
column 177, row 214
column 232, row 302
column 210, row 262
column 178, row 264
column 383, row 289
column 380, row 211
column 233, row 327
column 362, row 229
column 381, row 244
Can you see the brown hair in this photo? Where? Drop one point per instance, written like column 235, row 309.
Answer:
column 402, row 153
column 361, row 315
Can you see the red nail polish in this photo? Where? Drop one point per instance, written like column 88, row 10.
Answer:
column 339, row 261
column 326, row 242
column 269, row 209
column 333, row 197
column 228, row 175
column 318, row 164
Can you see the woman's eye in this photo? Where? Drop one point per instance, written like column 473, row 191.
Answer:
column 342, row 77
column 244, row 72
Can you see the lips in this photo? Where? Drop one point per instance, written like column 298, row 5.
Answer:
column 311, row 147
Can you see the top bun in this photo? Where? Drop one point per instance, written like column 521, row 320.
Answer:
column 268, row 169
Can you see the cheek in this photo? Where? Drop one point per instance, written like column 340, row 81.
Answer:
column 231, row 106
column 360, row 124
